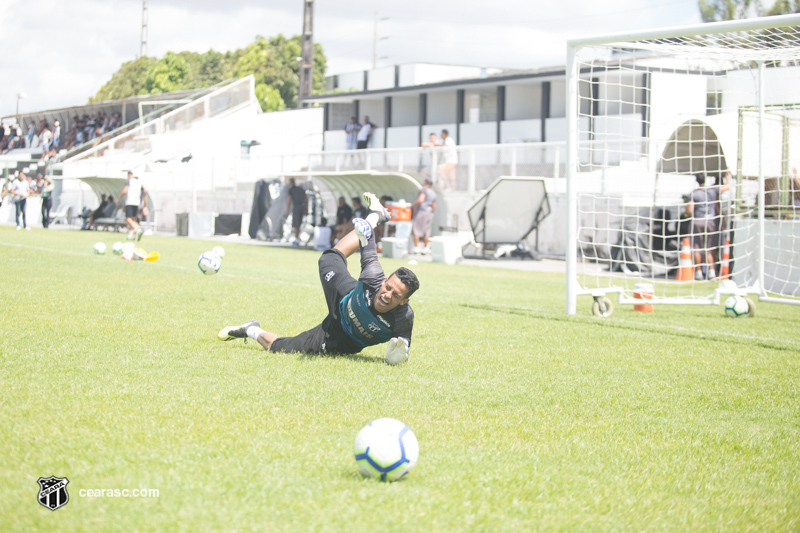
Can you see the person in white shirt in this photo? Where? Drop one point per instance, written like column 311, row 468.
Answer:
column 447, row 170
column 20, row 190
column 365, row 133
column 134, row 194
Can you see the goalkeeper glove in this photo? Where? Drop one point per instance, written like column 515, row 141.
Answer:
column 397, row 351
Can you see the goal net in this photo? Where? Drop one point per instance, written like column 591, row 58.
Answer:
column 682, row 153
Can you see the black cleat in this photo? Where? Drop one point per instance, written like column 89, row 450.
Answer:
column 374, row 205
column 236, row 332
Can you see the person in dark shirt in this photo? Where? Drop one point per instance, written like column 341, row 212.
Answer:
column 344, row 224
column 370, row 310
column 297, row 205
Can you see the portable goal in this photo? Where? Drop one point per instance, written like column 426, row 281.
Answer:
column 649, row 111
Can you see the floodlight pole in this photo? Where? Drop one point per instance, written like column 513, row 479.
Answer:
column 143, row 45
column 307, row 57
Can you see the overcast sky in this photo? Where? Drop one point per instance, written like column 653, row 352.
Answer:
column 60, row 52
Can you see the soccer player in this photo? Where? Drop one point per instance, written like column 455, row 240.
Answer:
column 362, row 312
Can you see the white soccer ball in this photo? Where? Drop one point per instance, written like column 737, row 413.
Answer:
column 736, row 306
column 99, row 248
column 728, row 285
column 127, row 251
column 219, row 250
column 386, row 449
column 117, row 248
column 209, row 263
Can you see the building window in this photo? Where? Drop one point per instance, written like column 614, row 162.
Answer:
column 480, row 106
column 713, row 103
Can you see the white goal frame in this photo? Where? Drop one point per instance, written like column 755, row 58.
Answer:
column 574, row 143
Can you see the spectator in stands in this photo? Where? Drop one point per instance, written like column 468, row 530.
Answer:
column 30, row 136
column 38, row 185
column 424, row 206
column 47, row 139
column 56, row 136
column 704, row 208
column 47, row 201
column 297, row 205
column 351, row 129
column 796, row 196
column 426, row 161
column 20, row 190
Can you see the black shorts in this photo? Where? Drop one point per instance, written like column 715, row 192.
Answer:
column 298, row 212
column 361, row 145
column 131, row 211
column 328, row 337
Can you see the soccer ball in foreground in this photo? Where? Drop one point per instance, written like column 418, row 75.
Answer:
column 219, row 250
column 386, row 449
column 736, row 306
column 209, row 263
column 117, row 248
column 99, row 248
column 127, row 251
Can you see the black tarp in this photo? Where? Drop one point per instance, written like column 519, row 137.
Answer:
column 648, row 241
column 259, row 224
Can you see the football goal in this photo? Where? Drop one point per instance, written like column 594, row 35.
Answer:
column 683, row 155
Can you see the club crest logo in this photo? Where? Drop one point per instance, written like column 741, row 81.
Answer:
column 53, row 492
column 329, row 275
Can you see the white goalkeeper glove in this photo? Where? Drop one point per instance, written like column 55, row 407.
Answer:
column 397, row 351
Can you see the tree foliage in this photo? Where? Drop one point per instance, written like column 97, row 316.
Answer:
column 716, row 10
column 272, row 61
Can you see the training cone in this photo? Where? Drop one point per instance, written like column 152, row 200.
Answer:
column 685, row 268
column 724, row 271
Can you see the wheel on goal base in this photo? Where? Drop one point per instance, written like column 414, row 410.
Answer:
column 751, row 307
column 602, row 307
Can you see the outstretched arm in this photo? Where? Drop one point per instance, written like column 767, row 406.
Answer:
column 397, row 351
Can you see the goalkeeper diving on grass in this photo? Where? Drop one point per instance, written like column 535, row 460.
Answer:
column 362, row 312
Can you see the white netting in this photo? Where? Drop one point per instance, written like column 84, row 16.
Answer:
column 654, row 114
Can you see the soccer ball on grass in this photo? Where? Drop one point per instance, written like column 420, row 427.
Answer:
column 219, row 250
column 736, row 306
column 209, row 263
column 99, row 248
column 386, row 449
column 117, row 248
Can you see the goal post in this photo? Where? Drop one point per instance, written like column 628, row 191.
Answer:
column 681, row 149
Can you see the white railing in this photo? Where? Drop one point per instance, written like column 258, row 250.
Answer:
column 237, row 95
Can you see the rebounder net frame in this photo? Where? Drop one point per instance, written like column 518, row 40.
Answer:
column 681, row 150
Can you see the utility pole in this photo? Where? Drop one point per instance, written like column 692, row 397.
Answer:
column 143, row 47
column 375, row 40
column 307, row 59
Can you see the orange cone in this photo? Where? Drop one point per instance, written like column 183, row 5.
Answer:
column 726, row 261
column 685, row 268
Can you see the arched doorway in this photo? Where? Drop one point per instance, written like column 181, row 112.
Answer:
column 693, row 149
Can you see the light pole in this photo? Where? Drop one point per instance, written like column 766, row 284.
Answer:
column 20, row 96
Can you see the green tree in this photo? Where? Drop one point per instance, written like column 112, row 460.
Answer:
column 129, row 80
column 167, row 75
column 716, row 10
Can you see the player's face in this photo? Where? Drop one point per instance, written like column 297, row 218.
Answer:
column 391, row 294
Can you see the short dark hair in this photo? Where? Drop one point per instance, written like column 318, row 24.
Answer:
column 407, row 278
column 446, row 132
column 701, row 178
column 356, row 200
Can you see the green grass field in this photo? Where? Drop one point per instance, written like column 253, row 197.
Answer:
column 527, row 419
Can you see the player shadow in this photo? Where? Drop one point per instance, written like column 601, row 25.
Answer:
column 357, row 357
column 638, row 327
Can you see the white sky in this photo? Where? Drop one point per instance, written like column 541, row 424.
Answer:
column 60, row 52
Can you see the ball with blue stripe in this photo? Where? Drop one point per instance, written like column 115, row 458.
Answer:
column 386, row 449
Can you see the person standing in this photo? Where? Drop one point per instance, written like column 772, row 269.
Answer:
column 704, row 209
column 133, row 192
column 365, row 133
column 425, row 206
column 47, row 201
column 20, row 190
column 297, row 205
column 351, row 130
column 448, row 168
